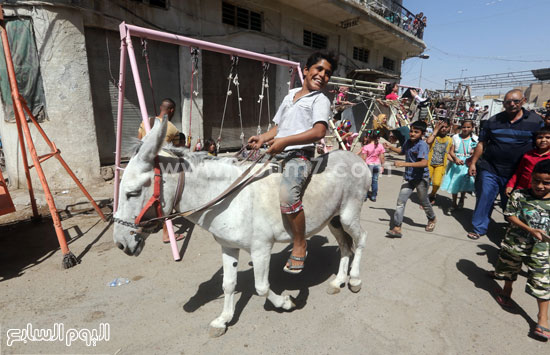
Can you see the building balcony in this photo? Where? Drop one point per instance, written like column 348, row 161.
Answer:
column 381, row 21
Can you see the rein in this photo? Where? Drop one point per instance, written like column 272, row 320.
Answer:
column 238, row 184
column 154, row 201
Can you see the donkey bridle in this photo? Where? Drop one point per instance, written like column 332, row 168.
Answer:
column 154, row 201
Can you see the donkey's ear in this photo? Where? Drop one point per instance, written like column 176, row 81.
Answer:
column 152, row 142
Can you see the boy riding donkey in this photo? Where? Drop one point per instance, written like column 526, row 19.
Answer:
column 300, row 121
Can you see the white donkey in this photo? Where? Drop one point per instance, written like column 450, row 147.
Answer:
column 250, row 218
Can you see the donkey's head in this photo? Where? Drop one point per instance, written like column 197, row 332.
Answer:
column 136, row 189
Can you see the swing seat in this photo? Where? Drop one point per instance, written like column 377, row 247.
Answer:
column 6, row 204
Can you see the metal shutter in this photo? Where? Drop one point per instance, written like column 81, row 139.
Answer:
column 103, row 49
column 215, row 70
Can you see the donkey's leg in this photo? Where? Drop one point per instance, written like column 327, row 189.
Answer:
column 353, row 228
column 345, row 252
column 230, row 259
column 260, row 259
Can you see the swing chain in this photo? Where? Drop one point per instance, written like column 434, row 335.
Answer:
column 265, row 84
column 145, row 54
column 195, row 69
column 144, row 47
column 233, row 77
column 195, row 60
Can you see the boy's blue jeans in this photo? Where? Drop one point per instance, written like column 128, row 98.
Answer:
column 375, row 171
column 407, row 189
column 488, row 186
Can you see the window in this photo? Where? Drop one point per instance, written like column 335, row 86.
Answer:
column 388, row 64
column 157, row 3
column 315, row 40
column 361, row 54
column 240, row 17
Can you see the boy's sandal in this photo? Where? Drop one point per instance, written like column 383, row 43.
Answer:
column 430, row 226
column 393, row 234
column 178, row 238
column 542, row 332
column 504, row 301
column 294, row 269
column 473, row 235
column 460, row 204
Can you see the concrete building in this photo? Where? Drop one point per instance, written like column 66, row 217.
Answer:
column 76, row 44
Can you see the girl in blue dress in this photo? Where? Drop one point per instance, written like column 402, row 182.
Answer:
column 456, row 177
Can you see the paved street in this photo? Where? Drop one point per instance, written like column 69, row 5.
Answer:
column 424, row 293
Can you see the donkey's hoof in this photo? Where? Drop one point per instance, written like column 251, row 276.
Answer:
column 288, row 304
column 332, row 290
column 354, row 285
column 215, row 332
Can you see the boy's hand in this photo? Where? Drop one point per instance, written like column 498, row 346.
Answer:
column 509, row 191
column 276, row 146
column 399, row 164
column 539, row 234
column 255, row 142
column 459, row 161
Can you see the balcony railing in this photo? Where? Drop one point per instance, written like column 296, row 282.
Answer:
column 397, row 14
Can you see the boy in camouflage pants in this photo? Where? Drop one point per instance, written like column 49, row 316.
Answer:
column 526, row 240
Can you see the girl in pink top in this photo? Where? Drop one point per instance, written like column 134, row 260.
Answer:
column 373, row 154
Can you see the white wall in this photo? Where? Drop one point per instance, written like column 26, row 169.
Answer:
column 64, row 69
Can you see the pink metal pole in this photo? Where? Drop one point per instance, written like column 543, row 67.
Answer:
column 120, row 112
column 187, row 41
column 126, row 32
column 145, row 118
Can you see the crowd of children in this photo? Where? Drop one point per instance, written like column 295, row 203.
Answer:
column 444, row 161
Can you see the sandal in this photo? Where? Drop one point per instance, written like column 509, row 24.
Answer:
column 504, row 301
column 474, row 235
column 542, row 332
column 294, row 269
column 393, row 234
column 430, row 226
column 178, row 238
column 460, row 204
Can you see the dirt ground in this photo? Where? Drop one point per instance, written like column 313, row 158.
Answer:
column 426, row 293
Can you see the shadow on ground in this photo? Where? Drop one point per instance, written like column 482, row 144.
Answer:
column 479, row 277
column 27, row 243
column 322, row 262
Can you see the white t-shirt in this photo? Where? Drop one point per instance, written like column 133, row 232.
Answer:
column 300, row 116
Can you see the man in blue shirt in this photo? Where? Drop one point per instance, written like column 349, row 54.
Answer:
column 503, row 140
column 416, row 177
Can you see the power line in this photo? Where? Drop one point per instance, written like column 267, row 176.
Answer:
column 490, row 58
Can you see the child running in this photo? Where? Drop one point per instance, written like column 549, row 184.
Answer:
column 456, row 177
column 416, row 177
column 440, row 145
column 527, row 241
column 373, row 154
column 522, row 177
